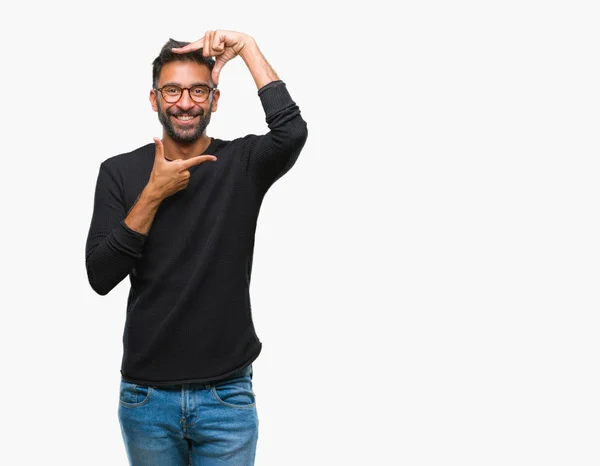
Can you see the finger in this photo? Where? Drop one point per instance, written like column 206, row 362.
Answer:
column 219, row 64
column 206, row 48
column 197, row 160
column 159, row 151
column 217, row 43
column 191, row 47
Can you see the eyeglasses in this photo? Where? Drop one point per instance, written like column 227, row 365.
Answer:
column 172, row 93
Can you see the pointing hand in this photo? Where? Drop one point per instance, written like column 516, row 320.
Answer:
column 169, row 177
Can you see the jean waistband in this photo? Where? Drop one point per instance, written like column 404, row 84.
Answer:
column 241, row 373
column 248, row 370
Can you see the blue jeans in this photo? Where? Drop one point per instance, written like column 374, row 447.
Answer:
column 198, row 424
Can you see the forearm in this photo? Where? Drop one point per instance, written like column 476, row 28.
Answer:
column 277, row 151
column 113, row 247
column 142, row 214
column 286, row 125
column 110, row 258
column 261, row 71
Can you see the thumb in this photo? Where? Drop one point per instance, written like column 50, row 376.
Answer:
column 219, row 64
column 159, row 153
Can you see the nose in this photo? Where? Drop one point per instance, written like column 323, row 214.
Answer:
column 185, row 102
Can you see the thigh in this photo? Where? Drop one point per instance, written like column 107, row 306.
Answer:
column 227, row 428
column 149, row 419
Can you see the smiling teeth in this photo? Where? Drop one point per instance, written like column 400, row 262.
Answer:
column 185, row 118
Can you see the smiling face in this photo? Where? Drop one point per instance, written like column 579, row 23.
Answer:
column 184, row 121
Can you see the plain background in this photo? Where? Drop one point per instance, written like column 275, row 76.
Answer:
column 425, row 278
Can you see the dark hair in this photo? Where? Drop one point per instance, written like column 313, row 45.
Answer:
column 167, row 56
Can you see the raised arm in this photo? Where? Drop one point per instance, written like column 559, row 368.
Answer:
column 276, row 152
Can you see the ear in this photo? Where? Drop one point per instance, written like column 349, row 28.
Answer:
column 153, row 98
column 215, row 101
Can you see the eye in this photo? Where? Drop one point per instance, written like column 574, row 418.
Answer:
column 199, row 91
column 171, row 90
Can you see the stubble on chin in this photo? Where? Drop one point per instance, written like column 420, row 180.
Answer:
column 186, row 136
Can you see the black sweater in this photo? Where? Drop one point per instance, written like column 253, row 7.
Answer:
column 189, row 317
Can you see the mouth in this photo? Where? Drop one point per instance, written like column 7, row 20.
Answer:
column 184, row 119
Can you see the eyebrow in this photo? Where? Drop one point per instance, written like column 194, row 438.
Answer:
column 172, row 83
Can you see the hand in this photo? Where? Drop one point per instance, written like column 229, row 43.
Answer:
column 168, row 177
column 223, row 45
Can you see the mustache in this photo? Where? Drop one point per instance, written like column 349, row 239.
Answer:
column 176, row 113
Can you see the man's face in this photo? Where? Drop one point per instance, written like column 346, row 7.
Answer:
column 185, row 120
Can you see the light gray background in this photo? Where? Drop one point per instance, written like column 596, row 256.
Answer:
column 425, row 280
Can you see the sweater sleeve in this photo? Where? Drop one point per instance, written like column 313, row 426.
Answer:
column 278, row 150
column 112, row 248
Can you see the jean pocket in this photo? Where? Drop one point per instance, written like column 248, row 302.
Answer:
column 235, row 393
column 132, row 395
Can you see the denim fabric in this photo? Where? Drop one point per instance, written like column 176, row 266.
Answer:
column 198, row 424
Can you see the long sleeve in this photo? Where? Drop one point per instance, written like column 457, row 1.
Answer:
column 278, row 150
column 112, row 248
column 189, row 313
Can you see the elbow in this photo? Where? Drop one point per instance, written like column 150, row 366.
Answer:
column 297, row 138
column 98, row 285
column 102, row 291
column 101, row 288
column 301, row 134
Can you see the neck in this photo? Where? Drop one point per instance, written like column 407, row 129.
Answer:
column 177, row 150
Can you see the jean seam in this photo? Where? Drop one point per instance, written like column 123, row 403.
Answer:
column 137, row 405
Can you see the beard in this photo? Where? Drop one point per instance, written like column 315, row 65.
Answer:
column 187, row 135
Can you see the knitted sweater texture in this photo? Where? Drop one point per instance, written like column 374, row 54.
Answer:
column 189, row 317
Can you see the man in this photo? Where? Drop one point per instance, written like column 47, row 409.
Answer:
column 178, row 216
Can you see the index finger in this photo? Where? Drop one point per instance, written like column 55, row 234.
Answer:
column 191, row 47
column 197, row 160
